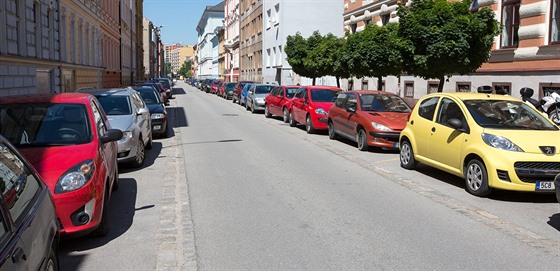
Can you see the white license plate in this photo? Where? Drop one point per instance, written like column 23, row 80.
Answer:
column 544, row 186
column 157, row 127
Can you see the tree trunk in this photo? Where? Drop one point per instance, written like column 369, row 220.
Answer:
column 441, row 82
column 313, row 81
column 379, row 82
column 338, row 82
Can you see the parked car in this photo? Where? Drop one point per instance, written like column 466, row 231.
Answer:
column 214, row 86
column 370, row 118
column 167, row 86
column 256, row 95
column 279, row 101
column 68, row 139
column 311, row 105
column 128, row 112
column 28, row 227
column 158, row 113
column 158, row 87
column 492, row 141
column 557, row 187
column 228, row 90
column 236, row 98
column 243, row 95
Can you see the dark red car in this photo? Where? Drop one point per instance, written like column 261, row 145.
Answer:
column 370, row 118
column 279, row 102
column 214, row 86
column 236, row 98
column 68, row 139
column 310, row 106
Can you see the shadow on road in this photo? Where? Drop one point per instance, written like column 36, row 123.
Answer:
column 179, row 91
column 151, row 156
column 121, row 215
column 555, row 221
column 177, row 117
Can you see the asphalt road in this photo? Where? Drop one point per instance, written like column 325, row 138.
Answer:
column 231, row 190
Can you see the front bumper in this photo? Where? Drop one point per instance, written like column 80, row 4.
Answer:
column 127, row 149
column 159, row 126
column 384, row 139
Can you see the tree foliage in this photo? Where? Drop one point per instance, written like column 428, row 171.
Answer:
column 185, row 69
column 327, row 58
column 297, row 50
column 445, row 38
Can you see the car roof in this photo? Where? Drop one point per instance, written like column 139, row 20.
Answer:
column 110, row 91
column 290, row 86
column 473, row 96
column 360, row 92
column 323, row 87
column 66, row 97
column 265, row 85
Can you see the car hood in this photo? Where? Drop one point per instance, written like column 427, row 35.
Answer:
column 261, row 95
column 155, row 108
column 52, row 162
column 393, row 120
column 530, row 141
column 121, row 122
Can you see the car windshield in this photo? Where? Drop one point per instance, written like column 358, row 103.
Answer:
column 230, row 86
column 290, row 92
column 505, row 114
column 383, row 103
column 149, row 96
column 164, row 82
column 323, row 95
column 115, row 104
column 46, row 124
column 263, row 89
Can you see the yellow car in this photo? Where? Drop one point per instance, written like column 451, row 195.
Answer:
column 493, row 141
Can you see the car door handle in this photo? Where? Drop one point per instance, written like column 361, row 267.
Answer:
column 433, row 129
column 18, row 255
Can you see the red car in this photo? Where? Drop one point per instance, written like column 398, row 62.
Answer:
column 215, row 86
column 310, row 106
column 370, row 118
column 279, row 101
column 69, row 141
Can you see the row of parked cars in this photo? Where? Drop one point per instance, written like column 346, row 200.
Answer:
column 59, row 161
column 492, row 141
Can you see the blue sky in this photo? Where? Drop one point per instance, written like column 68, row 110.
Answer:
column 178, row 17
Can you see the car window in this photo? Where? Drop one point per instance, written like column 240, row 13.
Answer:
column 427, row 108
column 149, row 96
column 3, row 226
column 300, row 93
column 115, row 104
column 290, row 92
column 323, row 95
column 18, row 185
column 448, row 109
column 351, row 101
column 263, row 89
column 137, row 100
column 383, row 103
column 99, row 121
column 340, row 100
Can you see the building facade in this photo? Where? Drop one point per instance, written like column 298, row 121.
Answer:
column 128, row 41
column 178, row 56
column 231, row 40
column 250, row 40
column 153, row 51
column 169, row 51
column 208, row 27
column 525, row 54
column 29, row 47
column 279, row 18
column 138, row 63
column 110, row 43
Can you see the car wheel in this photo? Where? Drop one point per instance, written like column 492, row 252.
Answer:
column 267, row 112
column 149, row 145
column 309, row 125
column 362, row 140
column 140, row 154
column 253, row 108
column 246, row 106
column 476, row 179
column 332, row 132
column 292, row 121
column 285, row 115
column 407, row 156
column 52, row 261
column 166, row 131
column 116, row 181
column 103, row 228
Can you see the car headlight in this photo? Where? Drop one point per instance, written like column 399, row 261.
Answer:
column 76, row 177
column 156, row 116
column 381, row 127
column 321, row 111
column 500, row 142
column 126, row 135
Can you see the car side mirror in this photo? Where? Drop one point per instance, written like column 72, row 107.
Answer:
column 457, row 124
column 111, row 135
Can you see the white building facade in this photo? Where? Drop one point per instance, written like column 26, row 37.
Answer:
column 211, row 21
column 231, row 43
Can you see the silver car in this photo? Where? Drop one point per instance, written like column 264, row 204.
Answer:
column 256, row 95
column 129, row 113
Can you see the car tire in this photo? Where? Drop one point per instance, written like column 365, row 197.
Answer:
column 140, row 155
column 267, row 111
column 52, row 261
column 292, row 121
column 332, row 132
column 407, row 155
column 150, row 144
column 252, row 108
column 246, row 106
column 285, row 115
column 103, row 228
column 166, row 132
column 116, row 180
column 309, row 125
column 476, row 178
column 361, row 138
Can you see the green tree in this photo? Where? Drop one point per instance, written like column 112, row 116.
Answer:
column 326, row 58
column 297, row 49
column 376, row 51
column 446, row 38
column 185, row 69
column 167, row 68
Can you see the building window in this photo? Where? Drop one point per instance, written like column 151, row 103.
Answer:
column 433, row 86
column 385, row 19
column 463, row 87
column 510, row 21
column 364, row 85
column 555, row 21
column 506, row 87
column 269, row 18
column 353, row 28
column 276, row 14
column 409, row 89
column 268, row 57
column 547, row 88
